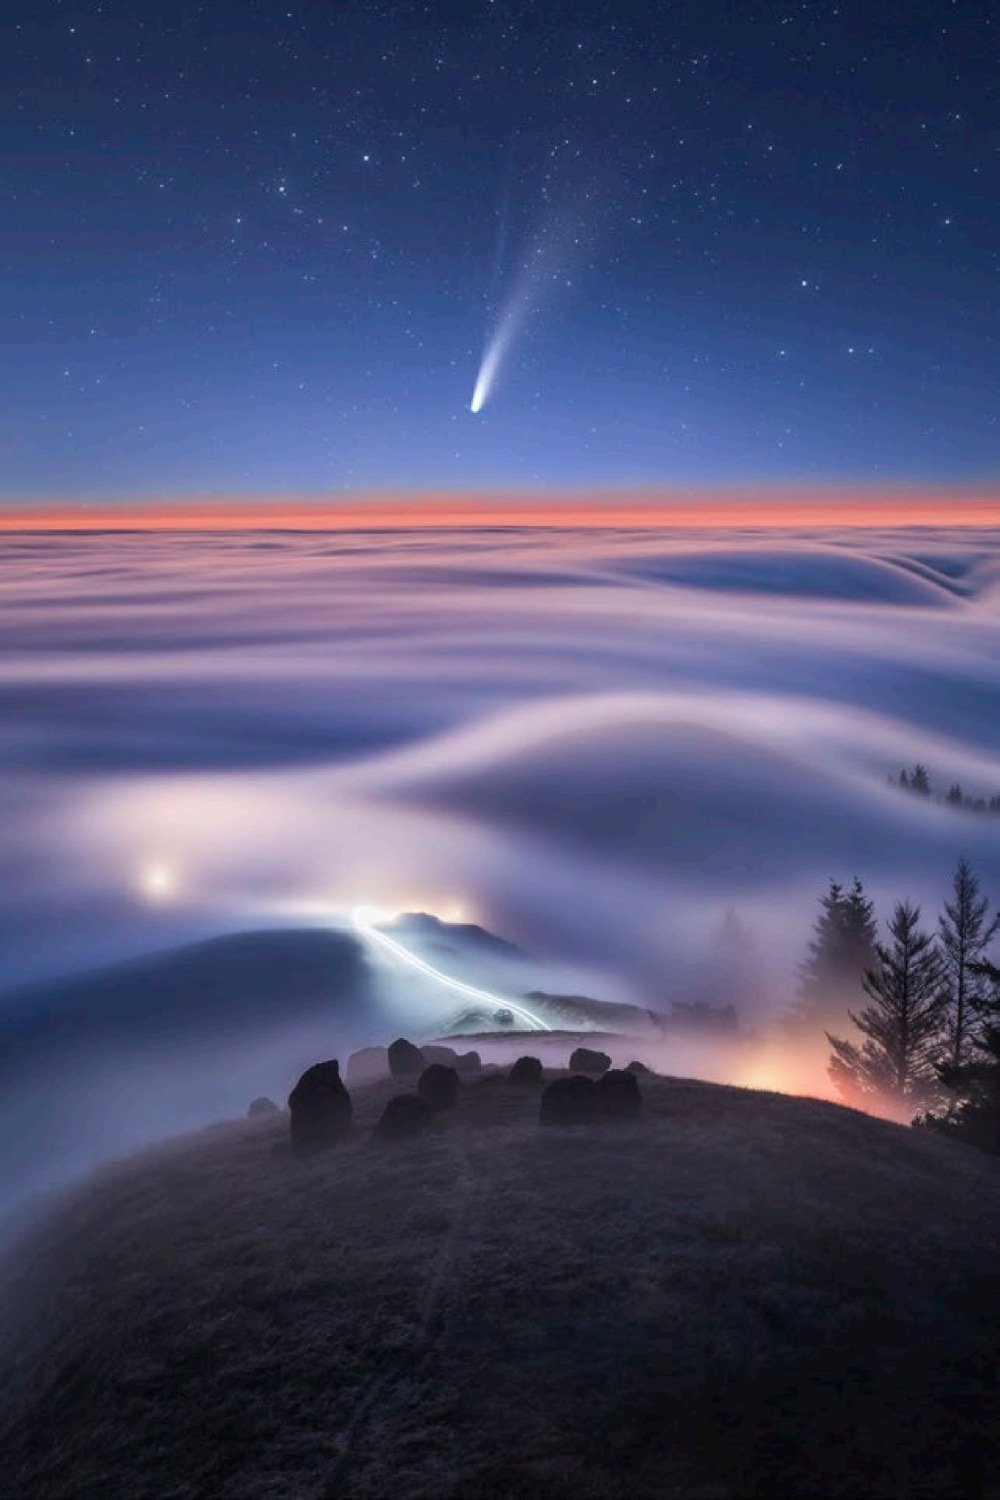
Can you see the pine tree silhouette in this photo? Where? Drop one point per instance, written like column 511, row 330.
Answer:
column 732, row 973
column 901, row 1025
column 973, row 1114
column 841, row 949
column 965, row 931
column 920, row 782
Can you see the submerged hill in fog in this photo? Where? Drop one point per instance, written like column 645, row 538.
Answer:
column 458, row 940
column 119, row 1056
column 739, row 1294
column 237, row 981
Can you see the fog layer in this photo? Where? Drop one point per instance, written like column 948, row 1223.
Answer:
column 592, row 744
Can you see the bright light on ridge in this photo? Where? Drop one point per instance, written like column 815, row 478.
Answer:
column 364, row 919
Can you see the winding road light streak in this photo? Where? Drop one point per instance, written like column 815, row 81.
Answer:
column 364, row 919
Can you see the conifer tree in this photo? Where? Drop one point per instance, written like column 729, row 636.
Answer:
column 860, row 927
column 973, row 1114
column 920, row 782
column 965, row 931
column 989, row 999
column 732, row 974
column 841, row 949
column 901, row 1024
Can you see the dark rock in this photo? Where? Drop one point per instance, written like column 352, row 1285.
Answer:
column 638, row 1067
column 618, row 1096
column 585, row 1060
column 527, row 1072
column 370, row 1065
column 405, row 1116
column 468, row 1062
column 438, row 1087
column 569, row 1101
column 320, row 1109
column 439, row 1054
column 405, row 1060
column 262, row 1106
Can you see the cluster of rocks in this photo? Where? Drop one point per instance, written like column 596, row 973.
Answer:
column 580, row 1100
column 405, row 1060
column 320, row 1109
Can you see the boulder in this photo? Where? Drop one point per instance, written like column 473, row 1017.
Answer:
column 527, row 1072
column 370, row 1065
column 569, row 1101
column 468, row 1062
column 262, row 1106
column 405, row 1116
column 320, row 1109
column 439, row 1054
column 438, row 1087
column 405, row 1060
column 618, row 1096
column 585, row 1060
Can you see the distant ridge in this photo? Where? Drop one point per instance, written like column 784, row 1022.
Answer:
column 238, row 980
column 434, row 932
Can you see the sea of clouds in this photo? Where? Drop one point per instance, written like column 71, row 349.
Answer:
column 593, row 743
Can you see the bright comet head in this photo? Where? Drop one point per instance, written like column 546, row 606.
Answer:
column 488, row 369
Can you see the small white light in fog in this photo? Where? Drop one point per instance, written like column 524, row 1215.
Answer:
column 158, row 882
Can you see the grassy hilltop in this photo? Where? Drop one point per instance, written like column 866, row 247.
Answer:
column 742, row 1294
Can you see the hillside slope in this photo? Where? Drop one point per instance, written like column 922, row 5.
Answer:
column 742, row 1294
column 217, row 986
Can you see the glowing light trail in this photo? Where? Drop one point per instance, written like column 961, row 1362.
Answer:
column 524, row 298
column 512, row 318
column 364, row 920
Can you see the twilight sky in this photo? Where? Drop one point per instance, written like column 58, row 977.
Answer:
column 260, row 248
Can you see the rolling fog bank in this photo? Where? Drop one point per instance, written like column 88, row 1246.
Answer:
column 595, row 745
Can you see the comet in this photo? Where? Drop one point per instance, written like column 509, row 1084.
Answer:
column 522, row 300
column 512, row 318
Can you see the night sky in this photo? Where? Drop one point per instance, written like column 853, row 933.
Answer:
column 259, row 248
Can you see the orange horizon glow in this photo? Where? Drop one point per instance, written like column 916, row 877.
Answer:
column 810, row 507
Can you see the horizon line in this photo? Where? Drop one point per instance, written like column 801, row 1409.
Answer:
column 652, row 507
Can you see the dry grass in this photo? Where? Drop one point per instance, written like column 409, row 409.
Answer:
column 744, row 1294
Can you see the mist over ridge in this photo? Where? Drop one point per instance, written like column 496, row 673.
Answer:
column 594, row 744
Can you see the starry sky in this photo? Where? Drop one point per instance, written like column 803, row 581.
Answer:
column 260, row 248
